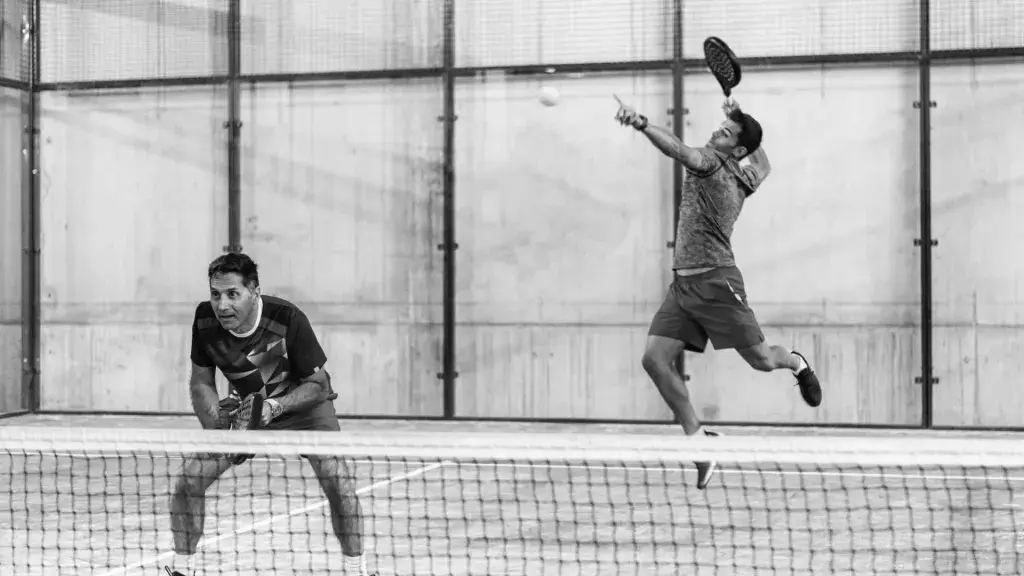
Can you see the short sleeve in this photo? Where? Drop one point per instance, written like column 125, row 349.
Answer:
column 751, row 178
column 199, row 355
column 710, row 163
column 304, row 351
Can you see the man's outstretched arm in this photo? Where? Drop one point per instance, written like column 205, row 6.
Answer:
column 662, row 139
column 674, row 148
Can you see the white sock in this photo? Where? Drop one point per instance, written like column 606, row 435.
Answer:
column 356, row 565
column 183, row 564
column 799, row 359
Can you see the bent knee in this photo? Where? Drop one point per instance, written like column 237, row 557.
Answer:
column 660, row 355
column 757, row 358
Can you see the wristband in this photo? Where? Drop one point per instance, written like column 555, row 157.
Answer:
column 643, row 125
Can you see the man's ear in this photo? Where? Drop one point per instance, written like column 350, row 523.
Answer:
column 739, row 151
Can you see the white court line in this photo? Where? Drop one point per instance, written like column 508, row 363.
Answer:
column 256, row 525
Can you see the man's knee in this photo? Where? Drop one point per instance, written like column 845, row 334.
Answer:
column 757, row 357
column 198, row 473
column 660, row 355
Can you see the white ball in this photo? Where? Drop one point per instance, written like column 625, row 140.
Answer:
column 548, row 96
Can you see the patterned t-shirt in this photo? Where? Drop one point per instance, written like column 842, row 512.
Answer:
column 710, row 204
column 271, row 361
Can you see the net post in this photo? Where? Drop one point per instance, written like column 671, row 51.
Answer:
column 233, row 126
column 448, row 246
column 926, row 240
column 678, row 68
column 30, row 207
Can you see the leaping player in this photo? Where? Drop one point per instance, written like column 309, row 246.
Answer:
column 706, row 299
column 263, row 345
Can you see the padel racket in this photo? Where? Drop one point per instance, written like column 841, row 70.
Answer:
column 249, row 414
column 722, row 63
column 248, row 417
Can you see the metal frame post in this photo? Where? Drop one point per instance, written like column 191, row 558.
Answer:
column 31, row 320
column 448, row 245
column 234, row 126
column 678, row 114
column 927, row 379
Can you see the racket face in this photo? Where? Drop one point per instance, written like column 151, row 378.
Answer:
column 722, row 63
column 249, row 413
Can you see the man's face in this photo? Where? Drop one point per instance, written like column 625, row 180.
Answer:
column 725, row 138
column 233, row 302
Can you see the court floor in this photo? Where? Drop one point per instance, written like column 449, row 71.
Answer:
column 108, row 516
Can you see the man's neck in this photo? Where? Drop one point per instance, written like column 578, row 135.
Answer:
column 251, row 323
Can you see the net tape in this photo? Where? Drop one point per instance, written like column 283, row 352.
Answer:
column 667, row 448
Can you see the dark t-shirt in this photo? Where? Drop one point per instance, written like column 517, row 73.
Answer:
column 271, row 361
column 710, row 204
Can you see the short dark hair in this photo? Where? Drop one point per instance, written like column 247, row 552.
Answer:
column 750, row 130
column 237, row 263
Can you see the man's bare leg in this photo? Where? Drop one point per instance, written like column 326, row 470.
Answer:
column 338, row 486
column 767, row 358
column 661, row 363
column 188, row 503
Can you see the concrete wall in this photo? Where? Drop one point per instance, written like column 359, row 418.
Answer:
column 561, row 216
column 10, row 249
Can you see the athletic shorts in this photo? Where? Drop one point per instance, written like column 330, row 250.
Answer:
column 710, row 305
column 320, row 417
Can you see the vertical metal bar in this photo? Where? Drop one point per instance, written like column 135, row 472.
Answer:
column 234, row 126
column 31, row 320
column 927, row 379
column 678, row 114
column 449, row 373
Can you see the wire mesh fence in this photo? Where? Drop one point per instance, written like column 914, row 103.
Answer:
column 343, row 159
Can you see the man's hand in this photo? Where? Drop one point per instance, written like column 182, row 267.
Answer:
column 226, row 411
column 730, row 106
column 628, row 116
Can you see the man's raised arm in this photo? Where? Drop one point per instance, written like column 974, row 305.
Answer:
column 662, row 139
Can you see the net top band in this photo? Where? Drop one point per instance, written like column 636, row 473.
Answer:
column 671, row 447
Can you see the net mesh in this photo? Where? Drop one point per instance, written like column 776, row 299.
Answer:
column 498, row 33
column 754, row 28
column 96, row 501
column 141, row 39
column 280, row 37
column 14, row 49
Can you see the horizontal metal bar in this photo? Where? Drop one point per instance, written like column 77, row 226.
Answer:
column 689, row 65
column 15, row 414
column 978, row 53
column 129, row 83
column 396, row 74
column 15, row 84
column 568, row 68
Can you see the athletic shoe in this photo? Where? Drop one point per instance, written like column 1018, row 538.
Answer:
column 810, row 388
column 706, row 469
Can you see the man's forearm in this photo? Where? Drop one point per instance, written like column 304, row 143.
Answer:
column 674, row 148
column 664, row 140
column 205, row 403
column 303, row 397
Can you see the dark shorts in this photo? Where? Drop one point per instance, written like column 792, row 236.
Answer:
column 710, row 305
column 320, row 417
